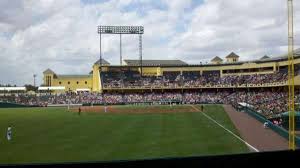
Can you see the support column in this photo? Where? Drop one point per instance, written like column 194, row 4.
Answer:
column 141, row 52
column 120, row 49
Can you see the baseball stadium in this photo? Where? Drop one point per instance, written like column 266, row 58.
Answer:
column 146, row 109
column 172, row 109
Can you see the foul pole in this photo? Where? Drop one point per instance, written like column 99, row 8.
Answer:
column 291, row 74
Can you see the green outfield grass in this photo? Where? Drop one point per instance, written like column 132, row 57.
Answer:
column 42, row 135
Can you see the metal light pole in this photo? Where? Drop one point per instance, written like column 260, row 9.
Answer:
column 123, row 30
column 34, row 76
column 121, row 49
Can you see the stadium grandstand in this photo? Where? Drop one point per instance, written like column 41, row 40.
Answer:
column 261, row 83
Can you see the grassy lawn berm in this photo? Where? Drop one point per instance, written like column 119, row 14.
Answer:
column 42, row 135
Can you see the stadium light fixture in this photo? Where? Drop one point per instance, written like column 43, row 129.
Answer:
column 120, row 29
column 123, row 30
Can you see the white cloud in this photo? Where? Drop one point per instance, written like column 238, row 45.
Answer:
column 251, row 28
column 62, row 35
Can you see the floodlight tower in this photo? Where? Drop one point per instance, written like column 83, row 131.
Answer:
column 123, row 30
column 291, row 84
column 34, row 76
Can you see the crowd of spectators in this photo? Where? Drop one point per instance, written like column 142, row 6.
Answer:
column 266, row 102
column 190, row 79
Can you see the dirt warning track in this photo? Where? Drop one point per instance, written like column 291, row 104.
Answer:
column 135, row 109
column 253, row 131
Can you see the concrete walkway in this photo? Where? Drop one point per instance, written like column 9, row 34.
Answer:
column 253, row 132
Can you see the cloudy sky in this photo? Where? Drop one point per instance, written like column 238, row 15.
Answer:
column 62, row 34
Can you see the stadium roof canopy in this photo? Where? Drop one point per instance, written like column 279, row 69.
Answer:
column 278, row 58
column 48, row 71
column 103, row 62
column 13, row 88
column 155, row 62
column 216, row 59
column 232, row 55
column 51, row 88
column 264, row 57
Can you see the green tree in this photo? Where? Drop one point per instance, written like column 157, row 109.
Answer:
column 31, row 88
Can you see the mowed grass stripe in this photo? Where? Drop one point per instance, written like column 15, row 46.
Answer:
column 61, row 137
column 218, row 113
column 139, row 141
column 56, row 135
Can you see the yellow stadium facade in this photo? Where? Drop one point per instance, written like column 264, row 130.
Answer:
column 92, row 81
